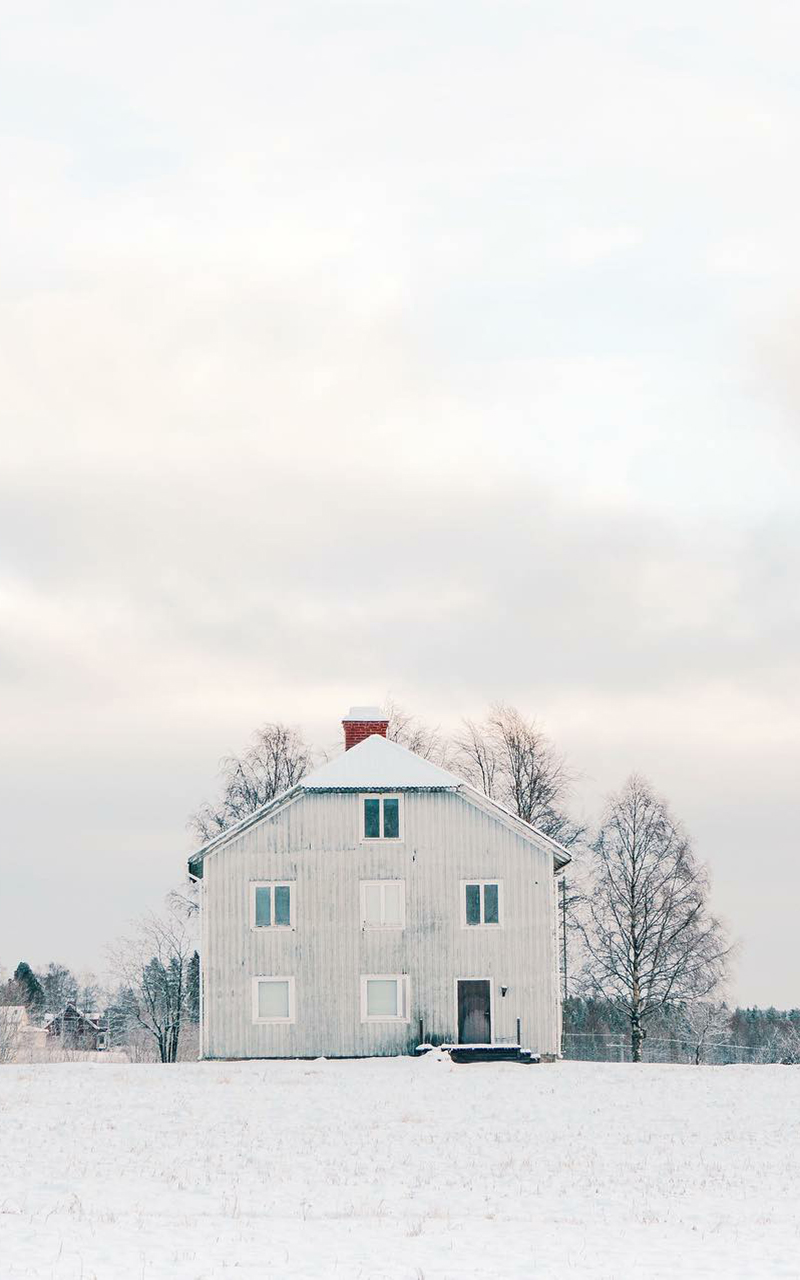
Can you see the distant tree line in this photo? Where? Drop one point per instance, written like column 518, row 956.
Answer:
column 697, row 1031
column 46, row 993
column 156, row 997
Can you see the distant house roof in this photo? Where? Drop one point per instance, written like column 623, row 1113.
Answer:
column 379, row 764
column 72, row 1014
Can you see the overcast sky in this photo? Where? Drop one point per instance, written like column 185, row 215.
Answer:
column 441, row 349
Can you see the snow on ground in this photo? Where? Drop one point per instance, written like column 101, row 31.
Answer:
column 398, row 1168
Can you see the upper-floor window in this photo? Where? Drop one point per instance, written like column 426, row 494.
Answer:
column 272, row 904
column 482, row 902
column 383, row 904
column 381, row 818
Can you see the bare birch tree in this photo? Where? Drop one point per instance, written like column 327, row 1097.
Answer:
column 154, row 968
column 275, row 760
column 650, row 939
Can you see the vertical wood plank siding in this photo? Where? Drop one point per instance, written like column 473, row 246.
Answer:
column 315, row 843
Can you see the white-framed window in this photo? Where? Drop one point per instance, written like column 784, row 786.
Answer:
column 383, row 904
column 481, row 904
column 272, row 904
column 381, row 817
column 385, row 997
column 273, row 999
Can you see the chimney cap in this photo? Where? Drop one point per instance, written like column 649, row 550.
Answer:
column 367, row 714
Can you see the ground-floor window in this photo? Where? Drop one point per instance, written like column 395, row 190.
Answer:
column 385, row 998
column 273, row 999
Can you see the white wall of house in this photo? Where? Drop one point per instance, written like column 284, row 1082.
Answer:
column 314, row 842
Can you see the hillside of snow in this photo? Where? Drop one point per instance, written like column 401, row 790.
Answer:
column 398, row 1168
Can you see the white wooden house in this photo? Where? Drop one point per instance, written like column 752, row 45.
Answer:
column 379, row 903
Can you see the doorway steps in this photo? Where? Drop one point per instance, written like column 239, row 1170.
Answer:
column 483, row 1052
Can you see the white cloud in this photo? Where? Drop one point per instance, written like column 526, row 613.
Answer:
column 586, row 246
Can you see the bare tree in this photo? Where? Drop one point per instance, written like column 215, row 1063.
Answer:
column 477, row 757
column 276, row 759
column 12, row 992
column 705, row 1024
column 60, row 987
column 650, row 939
column 782, row 1045
column 186, row 900
column 89, row 993
column 13, row 1012
column 154, row 968
column 10, row 1031
column 511, row 759
column 412, row 732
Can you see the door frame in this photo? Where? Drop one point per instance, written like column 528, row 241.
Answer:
column 479, row 978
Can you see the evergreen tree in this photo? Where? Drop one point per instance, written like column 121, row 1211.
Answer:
column 193, row 989
column 30, row 986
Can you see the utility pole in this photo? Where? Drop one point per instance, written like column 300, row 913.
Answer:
column 564, row 930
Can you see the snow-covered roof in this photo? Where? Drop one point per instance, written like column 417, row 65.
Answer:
column 378, row 764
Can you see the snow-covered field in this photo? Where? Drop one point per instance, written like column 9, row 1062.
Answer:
column 398, row 1168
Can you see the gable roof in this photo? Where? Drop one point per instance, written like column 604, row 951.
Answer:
column 379, row 764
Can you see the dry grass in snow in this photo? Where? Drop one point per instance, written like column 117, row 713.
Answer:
column 398, row 1168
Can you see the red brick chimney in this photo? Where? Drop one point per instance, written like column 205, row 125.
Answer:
column 361, row 723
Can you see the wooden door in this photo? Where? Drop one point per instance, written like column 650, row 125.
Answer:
column 474, row 1011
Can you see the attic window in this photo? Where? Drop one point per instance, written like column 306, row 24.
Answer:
column 381, row 819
